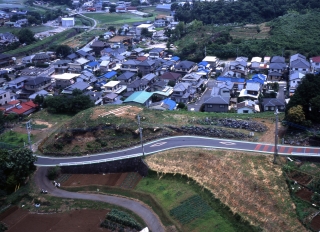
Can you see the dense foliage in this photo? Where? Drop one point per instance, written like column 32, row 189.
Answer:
column 248, row 11
column 15, row 167
column 117, row 219
column 307, row 95
column 289, row 34
column 62, row 104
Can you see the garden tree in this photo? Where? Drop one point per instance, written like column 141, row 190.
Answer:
column 296, row 115
column 171, row 83
column 112, row 28
column 53, row 172
column 146, row 33
column 39, row 99
column 26, row 36
column 62, row 51
column 307, row 96
column 80, row 102
column 112, row 9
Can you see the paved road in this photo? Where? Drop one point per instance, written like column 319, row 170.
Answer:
column 151, row 219
column 178, row 142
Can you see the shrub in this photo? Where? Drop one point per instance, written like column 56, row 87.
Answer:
column 53, row 172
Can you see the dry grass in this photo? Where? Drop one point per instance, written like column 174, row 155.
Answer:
column 129, row 112
column 248, row 183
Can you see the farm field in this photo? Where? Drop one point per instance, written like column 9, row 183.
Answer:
column 77, row 221
column 253, row 31
column 121, row 180
column 249, row 185
column 35, row 29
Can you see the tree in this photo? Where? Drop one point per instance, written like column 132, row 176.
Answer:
column 39, row 99
column 53, row 172
column 296, row 114
column 112, row 28
column 26, row 36
column 145, row 32
column 63, row 51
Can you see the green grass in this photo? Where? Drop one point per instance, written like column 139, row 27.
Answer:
column 43, row 115
column 35, row 29
column 14, row 138
column 116, row 19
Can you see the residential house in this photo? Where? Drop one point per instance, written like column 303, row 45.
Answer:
column 295, row 79
column 109, row 75
column 239, row 67
column 130, row 65
column 107, row 51
column 87, row 76
column 315, row 63
column 5, row 97
column 156, row 53
column 158, row 86
column 78, row 65
column 271, row 104
column 107, row 65
column 113, row 87
column 138, row 85
column 98, row 46
column 82, row 86
column 195, row 81
column 171, row 76
column 17, row 83
column 61, row 66
column 185, row 67
column 64, row 80
column 95, row 97
column 111, row 98
column 27, row 59
column 5, row 59
column 259, row 78
column 139, row 28
column 146, row 67
column 72, row 56
column 127, row 77
column 88, row 50
column 82, row 53
column 238, row 83
column 159, row 23
column 277, row 68
column 8, row 37
column 255, row 63
column 140, row 97
column 299, row 63
column 118, row 59
column 165, row 67
column 165, row 104
column 42, row 93
column 212, row 61
column 224, row 89
column 251, row 91
column 40, row 58
column 151, row 78
column 247, row 107
column 23, row 108
column 93, row 66
column 181, row 93
column 216, row 103
column 36, row 84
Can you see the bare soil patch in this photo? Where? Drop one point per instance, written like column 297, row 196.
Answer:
column 315, row 223
column 123, row 180
column 79, row 220
column 305, row 194
column 248, row 183
column 129, row 112
column 300, row 177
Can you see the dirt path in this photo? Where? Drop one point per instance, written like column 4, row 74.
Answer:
column 150, row 218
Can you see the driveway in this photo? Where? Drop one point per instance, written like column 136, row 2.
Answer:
column 150, row 218
column 207, row 93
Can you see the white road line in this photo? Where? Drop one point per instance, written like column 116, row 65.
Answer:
column 158, row 144
column 228, row 143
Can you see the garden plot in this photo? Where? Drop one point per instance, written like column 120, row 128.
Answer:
column 122, row 180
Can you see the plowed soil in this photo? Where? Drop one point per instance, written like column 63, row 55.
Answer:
column 305, row 194
column 315, row 223
column 74, row 221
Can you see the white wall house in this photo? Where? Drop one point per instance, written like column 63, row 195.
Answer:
column 67, row 22
column 140, row 27
column 315, row 63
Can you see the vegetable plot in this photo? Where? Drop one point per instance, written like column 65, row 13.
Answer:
column 117, row 219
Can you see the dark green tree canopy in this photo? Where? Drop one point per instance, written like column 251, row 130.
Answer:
column 63, row 51
column 25, row 36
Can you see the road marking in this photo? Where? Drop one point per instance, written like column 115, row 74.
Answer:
column 257, row 147
column 158, row 144
column 228, row 143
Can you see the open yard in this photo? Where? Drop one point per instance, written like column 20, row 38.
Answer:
column 250, row 31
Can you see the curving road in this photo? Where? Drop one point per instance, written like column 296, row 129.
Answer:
column 151, row 219
column 179, row 142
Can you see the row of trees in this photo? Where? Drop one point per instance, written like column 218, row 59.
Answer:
column 248, row 11
column 15, row 167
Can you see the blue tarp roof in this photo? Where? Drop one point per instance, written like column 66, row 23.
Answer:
column 101, row 83
column 175, row 58
column 109, row 74
column 260, row 78
column 172, row 104
column 204, row 63
column 93, row 63
column 232, row 79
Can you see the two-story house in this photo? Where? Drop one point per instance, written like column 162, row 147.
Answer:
column 61, row 66
column 295, row 79
column 138, row 85
column 299, row 63
column 277, row 67
column 181, row 93
column 98, row 46
column 126, row 78
column 216, row 103
column 165, row 67
column 17, row 83
column 130, row 65
column 64, row 80
column 156, row 53
column 159, row 23
column 146, row 67
column 315, row 63
column 239, row 67
column 171, row 76
column 40, row 58
column 82, row 86
column 78, row 65
column 5, row 97
column 35, row 84
column 185, row 67
column 93, row 66
column 251, row 91
column 194, row 80
column 271, row 104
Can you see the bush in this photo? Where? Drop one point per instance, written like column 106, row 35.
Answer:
column 53, row 172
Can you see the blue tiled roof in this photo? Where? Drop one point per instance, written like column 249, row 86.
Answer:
column 231, row 79
column 175, row 58
column 172, row 104
column 93, row 64
column 109, row 74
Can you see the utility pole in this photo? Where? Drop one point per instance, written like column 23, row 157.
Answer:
column 140, row 131
column 276, row 138
column 28, row 124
